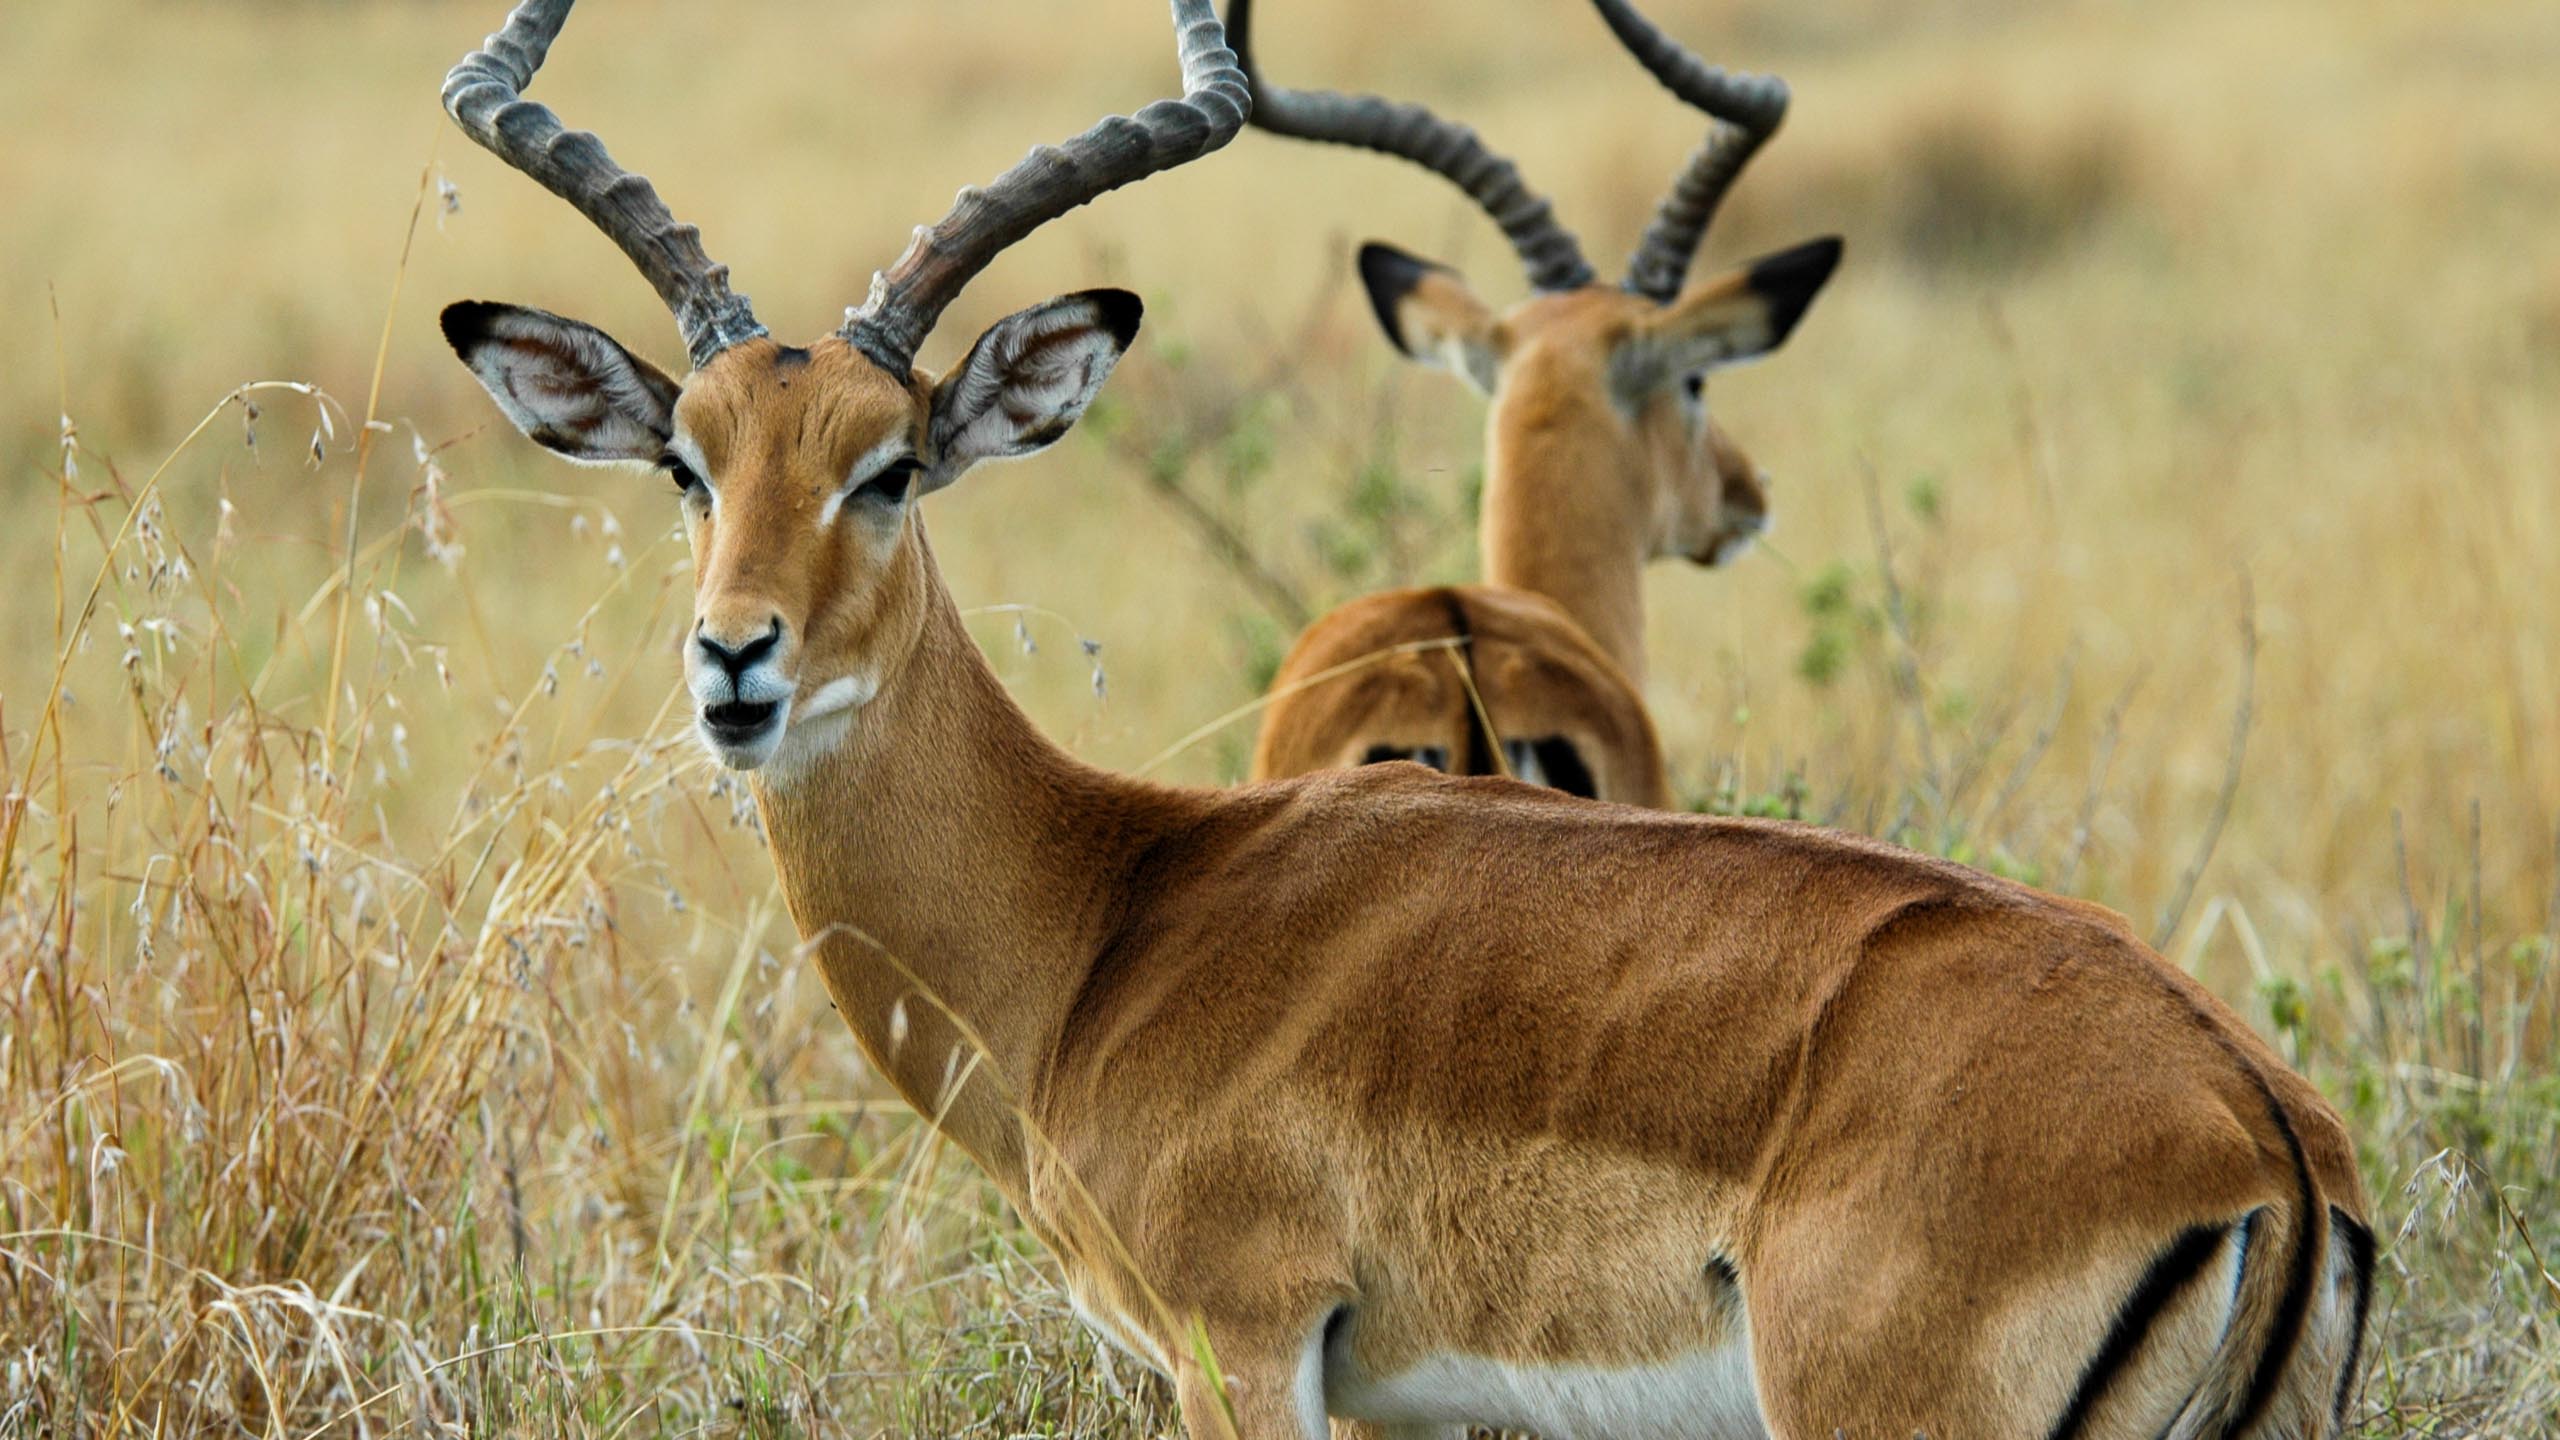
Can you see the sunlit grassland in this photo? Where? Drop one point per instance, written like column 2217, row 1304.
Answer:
column 398, row 1026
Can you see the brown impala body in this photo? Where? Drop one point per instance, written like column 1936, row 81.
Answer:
column 1763, row 1130
column 1600, row 457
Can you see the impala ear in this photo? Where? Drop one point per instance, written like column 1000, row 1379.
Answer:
column 1739, row 315
column 1430, row 314
column 570, row 387
column 1027, row 381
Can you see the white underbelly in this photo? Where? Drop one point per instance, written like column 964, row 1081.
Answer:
column 1702, row 1395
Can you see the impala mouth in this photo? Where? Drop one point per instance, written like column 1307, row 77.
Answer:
column 1723, row 551
column 740, row 721
column 1739, row 533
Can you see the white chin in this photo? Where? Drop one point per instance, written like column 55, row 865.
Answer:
column 749, row 755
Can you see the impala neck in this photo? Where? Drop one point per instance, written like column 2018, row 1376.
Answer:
column 1564, row 518
column 943, row 853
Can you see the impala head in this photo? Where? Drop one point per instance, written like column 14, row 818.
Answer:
column 1611, row 379
column 798, row 469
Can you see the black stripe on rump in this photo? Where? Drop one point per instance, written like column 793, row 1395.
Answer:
column 2293, row 1312
column 1562, row 765
column 2360, row 1251
column 1479, row 744
column 2176, row 1266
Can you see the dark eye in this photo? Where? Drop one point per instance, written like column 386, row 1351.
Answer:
column 679, row 472
column 890, row 485
column 1696, row 385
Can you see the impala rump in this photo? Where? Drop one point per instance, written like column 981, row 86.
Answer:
column 1469, row 680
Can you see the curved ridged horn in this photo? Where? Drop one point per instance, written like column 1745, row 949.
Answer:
column 908, row 297
column 484, row 95
column 1452, row 151
column 1747, row 110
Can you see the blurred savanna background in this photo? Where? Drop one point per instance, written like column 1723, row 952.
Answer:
column 399, row 1030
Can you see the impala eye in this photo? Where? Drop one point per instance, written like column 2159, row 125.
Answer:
column 680, row 472
column 890, row 485
column 1696, row 385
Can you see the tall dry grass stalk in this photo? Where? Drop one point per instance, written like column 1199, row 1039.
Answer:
column 324, row 1119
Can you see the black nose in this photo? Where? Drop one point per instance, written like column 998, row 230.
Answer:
column 735, row 662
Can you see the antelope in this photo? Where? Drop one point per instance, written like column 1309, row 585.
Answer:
column 1794, row 1133
column 1600, row 454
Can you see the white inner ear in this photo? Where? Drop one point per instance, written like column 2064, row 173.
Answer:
column 1644, row 365
column 1027, row 383
column 1470, row 360
column 571, row 389
column 1742, row 337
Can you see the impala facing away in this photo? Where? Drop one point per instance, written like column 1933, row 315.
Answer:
column 1791, row 1133
column 1600, row 456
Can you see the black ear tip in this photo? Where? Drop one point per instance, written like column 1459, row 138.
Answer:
column 1384, row 267
column 466, row 323
column 1797, row 271
column 1119, row 311
column 1390, row 274
column 1790, row 279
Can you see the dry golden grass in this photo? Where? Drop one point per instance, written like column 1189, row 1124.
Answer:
column 397, row 1025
